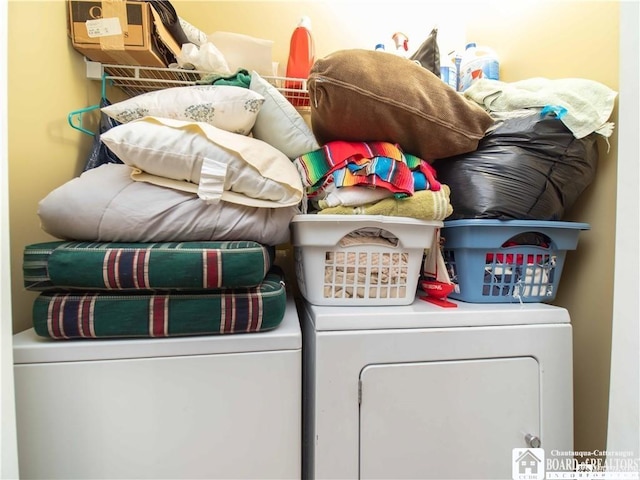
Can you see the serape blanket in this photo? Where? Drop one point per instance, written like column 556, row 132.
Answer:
column 373, row 164
column 64, row 265
column 134, row 315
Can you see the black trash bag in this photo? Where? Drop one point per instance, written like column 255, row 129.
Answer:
column 428, row 54
column 171, row 21
column 527, row 168
column 99, row 153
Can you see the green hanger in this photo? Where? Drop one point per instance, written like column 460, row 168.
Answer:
column 75, row 118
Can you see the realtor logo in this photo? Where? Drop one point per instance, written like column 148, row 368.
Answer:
column 528, row 464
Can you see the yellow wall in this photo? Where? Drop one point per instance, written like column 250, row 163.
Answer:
column 556, row 41
column 534, row 38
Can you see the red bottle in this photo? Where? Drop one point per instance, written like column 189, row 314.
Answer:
column 301, row 58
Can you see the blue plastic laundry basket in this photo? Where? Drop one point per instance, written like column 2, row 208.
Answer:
column 506, row 261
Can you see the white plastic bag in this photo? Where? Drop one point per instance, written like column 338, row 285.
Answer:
column 206, row 58
column 244, row 52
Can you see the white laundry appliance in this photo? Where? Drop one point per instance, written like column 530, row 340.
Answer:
column 180, row 408
column 426, row 392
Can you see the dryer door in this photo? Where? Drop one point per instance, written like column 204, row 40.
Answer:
column 446, row 420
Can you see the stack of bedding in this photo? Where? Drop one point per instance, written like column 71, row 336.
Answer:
column 180, row 238
column 380, row 138
column 524, row 150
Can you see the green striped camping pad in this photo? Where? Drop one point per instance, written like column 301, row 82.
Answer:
column 145, row 266
column 72, row 315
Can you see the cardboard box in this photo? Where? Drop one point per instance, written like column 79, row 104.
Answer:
column 120, row 32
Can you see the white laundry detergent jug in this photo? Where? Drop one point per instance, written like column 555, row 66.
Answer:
column 476, row 63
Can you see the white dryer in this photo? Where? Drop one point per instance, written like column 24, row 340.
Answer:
column 180, row 408
column 421, row 391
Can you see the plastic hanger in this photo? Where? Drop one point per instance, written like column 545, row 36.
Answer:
column 75, row 117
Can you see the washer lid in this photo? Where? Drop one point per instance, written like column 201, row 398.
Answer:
column 31, row 348
column 421, row 314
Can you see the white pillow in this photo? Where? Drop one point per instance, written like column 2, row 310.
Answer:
column 279, row 123
column 197, row 157
column 228, row 107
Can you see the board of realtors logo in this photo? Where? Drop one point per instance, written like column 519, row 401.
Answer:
column 528, row 463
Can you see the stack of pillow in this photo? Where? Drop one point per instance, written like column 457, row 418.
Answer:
column 202, row 162
column 180, row 238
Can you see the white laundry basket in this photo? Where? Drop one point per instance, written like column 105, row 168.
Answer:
column 359, row 259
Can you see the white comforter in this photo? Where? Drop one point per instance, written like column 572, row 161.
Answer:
column 105, row 205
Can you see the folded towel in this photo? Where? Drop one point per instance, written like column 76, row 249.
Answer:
column 588, row 103
column 352, row 196
column 423, row 205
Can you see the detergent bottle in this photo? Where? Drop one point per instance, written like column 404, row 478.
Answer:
column 476, row 63
column 401, row 42
column 301, row 58
column 449, row 71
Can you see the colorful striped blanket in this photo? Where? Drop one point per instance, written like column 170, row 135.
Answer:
column 377, row 164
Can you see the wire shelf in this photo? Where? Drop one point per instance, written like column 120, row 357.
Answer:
column 135, row 80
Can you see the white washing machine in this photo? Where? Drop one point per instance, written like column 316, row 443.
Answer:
column 180, row 408
column 425, row 392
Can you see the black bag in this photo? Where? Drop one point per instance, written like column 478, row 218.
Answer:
column 99, row 153
column 528, row 168
column 171, row 22
column 428, row 54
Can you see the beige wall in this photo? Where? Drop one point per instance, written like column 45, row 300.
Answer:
column 551, row 39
